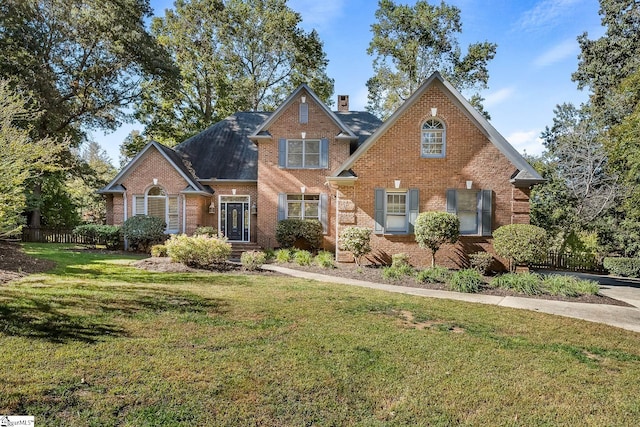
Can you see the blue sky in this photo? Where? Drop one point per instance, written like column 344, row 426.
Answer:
column 531, row 73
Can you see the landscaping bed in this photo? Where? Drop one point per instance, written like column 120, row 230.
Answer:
column 15, row 264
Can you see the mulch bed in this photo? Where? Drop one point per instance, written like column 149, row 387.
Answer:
column 15, row 264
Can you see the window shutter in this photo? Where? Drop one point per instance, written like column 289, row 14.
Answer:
column 378, row 213
column 304, row 113
column 324, row 153
column 282, row 152
column 452, row 202
column 414, row 207
column 487, row 220
column 282, row 206
column 324, row 212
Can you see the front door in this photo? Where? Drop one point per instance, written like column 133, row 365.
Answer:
column 234, row 221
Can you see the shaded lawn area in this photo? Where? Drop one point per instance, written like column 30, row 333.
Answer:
column 96, row 342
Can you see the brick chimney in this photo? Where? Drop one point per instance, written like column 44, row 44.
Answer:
column 343, row 102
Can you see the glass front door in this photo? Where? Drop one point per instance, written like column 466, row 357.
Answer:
column 234, row 218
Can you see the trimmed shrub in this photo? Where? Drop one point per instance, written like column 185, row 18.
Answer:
column 520, row 243
column 159, row 250
column 481, row 261
column 303, row 258
column 206, row 231
column 434, row 229
column 434, row 275
column 282, row 256
column 625, row 267
column 96, row 234
column 270, row 255
column 253, row 260
column 198, row 251
column 356, row 240
column 399, row 260
column 325, row 259
column 467, row 280
column 569, row 286
column 304, row 232
column 397, row 272
column 143, row 231
column 525, row 283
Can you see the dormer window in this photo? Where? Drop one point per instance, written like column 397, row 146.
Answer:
column 433, row 139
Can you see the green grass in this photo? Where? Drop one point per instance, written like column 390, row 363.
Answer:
column 96, row 342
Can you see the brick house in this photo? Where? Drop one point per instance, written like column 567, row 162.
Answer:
column 344, row 168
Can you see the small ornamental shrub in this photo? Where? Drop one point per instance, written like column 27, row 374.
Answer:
column 434, row 275
column 397, row 272
column 206, row 231
column 520, row 243
column 270, row 255
column 159, row 251
column 143, row 231
column 325, row 259
column 434, row 229
column 283, row 256
column 625, row 267
column 468, row 281
column 569, row 286
column 253, row 260
column 481, row 261
column 303, row 258
column 198, row 251
column 305, row 232
column 97, row 234
column 356, row 240
column 525, row 283
column 399, row 260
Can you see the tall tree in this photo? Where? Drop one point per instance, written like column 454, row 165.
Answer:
column 82, row 60
column 410, row 43
column 233, row 55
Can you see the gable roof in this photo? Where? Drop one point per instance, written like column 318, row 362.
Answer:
column 174, row 159
column 526, row 174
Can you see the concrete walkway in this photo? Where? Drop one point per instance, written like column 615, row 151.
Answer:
column 617, row 288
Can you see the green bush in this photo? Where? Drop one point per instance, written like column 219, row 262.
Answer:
column 253, row 260
column 97, row 234
column 206, row 231
column 198, row 251
column 397, row 272
column 467, row 280
column 159, row 251
column 569, row 286
column 434, row 275
column 481, row 261
column 303, row 258
column 283, row 256
column 305, row 232
column 434, row 229
column 143, row 231
column 270, row 254
column 520, row 243
column 399, row 260
column 356, row 240
column 625, row 267
column 525, row 283
column 325, row 259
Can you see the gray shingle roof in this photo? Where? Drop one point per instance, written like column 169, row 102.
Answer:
column 362, row 123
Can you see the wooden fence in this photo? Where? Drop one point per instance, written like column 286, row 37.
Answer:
column 570, row 262
column 52, row 235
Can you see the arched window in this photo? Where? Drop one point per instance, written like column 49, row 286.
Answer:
column 156, row 203
column 433, row 139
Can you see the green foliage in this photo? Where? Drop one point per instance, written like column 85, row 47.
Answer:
column 399, row 260
column 283, row 256
column 290, row 231
column 520, row 243
column 434, row 275
column 143, row 231
column 325, row 259
column 525, row 283
column 410, row 43
column 396, row 272
column 625, row 267
column 356, row 240
column 270, row 254
column 467, row 280
column 433, row 229
column 253, row 260
column 303, row 258
column 198, row 251
column 569, row 286
column 206, row 231
column 159, row 250
column 481, row 261
column 94, row 234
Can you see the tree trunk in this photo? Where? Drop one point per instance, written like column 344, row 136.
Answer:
column 36, row 214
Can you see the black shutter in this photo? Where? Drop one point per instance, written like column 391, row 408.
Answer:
column 486, row 213
column 378, row 213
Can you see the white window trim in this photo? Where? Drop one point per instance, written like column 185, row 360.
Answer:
column 304, row 153
column 145, row 211
column 444, row 141
column 405, row 229
column 302, row 207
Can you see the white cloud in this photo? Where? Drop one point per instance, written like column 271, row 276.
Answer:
column 546, row 14
column 566, row 49
column 317, row 14
column 495, row 98
column 527, row 141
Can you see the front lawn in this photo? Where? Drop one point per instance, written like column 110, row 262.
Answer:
column 97, row 342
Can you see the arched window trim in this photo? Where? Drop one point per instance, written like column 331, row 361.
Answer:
column 433, row 138
column 171, row 207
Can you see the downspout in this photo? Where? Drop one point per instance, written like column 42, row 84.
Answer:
column 124, row 216
column 184, row 214
column 337, row 217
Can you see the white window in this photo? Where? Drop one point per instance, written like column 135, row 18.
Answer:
column 303, row 153
column 474, row 210
column 433, row 139
column 303, row 206
column 156, row 203
column 396, row 212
